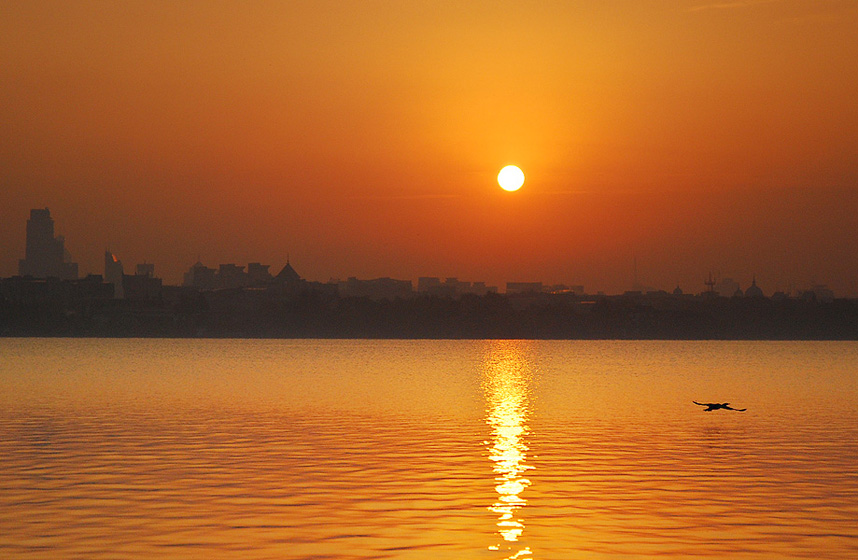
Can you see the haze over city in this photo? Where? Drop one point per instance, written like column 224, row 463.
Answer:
column 365, row 139
column 422, row 279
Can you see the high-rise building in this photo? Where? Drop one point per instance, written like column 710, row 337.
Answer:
column 231, row 276
column 200, row 276
column 45, row 255
column 113, row 274
column 257, row 274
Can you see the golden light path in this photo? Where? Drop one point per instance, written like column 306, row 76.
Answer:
column 505, row 386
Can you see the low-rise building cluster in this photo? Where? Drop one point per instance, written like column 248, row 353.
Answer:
column 47, row 262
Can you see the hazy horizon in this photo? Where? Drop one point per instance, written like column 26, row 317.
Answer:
column 365, row 139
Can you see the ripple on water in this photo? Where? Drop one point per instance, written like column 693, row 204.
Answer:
column 251, row 471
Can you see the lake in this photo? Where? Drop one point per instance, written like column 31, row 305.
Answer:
column 353, row 449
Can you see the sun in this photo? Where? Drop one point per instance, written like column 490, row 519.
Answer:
column 510, row 178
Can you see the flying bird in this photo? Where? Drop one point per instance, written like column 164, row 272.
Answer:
column 715, row 406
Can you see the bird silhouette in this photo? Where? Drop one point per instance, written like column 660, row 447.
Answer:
column 715, row 406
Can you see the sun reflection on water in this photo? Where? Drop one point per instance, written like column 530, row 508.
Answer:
column 506, row 375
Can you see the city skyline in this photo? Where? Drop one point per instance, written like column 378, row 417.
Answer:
column 45, row 256
column 365, row 139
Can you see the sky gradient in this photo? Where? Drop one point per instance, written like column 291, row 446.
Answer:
column 364, row 138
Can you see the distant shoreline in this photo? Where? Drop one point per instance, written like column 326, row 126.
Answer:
column 310, row 314
column 334, row 338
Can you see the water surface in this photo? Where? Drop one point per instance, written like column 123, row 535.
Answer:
column 427, row 449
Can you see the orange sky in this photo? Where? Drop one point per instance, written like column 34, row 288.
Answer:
column 363, row 138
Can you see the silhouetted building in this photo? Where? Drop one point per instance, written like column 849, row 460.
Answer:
column 45, row 256
column 523, row 287
column 480, row 289
column 93, row 287
column 113, row 274
column 287, row 275
column 753, row 290
column 823, row 293
column 378, row 288
column 819, row 292
column 145, row 269
column 200, row 276
column 52, row 290
column 142, row 288
column 451, row 287
column 427, row 283
column 563, row 289
column 258, row 275
column 727, row 287
column 710, row 287
column 231, row 276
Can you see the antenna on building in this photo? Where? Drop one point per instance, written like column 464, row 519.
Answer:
column 710, row 284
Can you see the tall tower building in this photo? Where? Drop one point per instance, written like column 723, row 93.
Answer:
column 45, row 256
column 113, row 274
